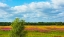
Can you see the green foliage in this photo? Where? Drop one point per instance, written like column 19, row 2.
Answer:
column 5, row 23
column 17, row 28
column 33, row 23
column 45, row 23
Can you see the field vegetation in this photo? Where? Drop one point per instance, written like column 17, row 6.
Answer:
column 20, row 28
column 36, row 31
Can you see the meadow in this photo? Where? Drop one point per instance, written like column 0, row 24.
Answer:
column 36, row 31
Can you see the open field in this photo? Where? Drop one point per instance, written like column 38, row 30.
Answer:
column 36, row 31
column 60, row 28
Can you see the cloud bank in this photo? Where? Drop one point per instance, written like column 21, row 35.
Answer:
column 34, row 11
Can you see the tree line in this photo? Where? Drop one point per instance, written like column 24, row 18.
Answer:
column 5, row 23
column 33, row 23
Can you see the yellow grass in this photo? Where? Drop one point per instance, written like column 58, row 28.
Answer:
column 44, row 27
column 40, row 27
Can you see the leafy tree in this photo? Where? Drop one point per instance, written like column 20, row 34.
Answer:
column 17, row 28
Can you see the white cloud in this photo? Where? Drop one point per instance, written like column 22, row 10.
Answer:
column 34, row 10
column 20, row 9
column 32, row 6
column 61, row 14
column 3, row 5
column 4, row 14
column 4, row 11
column 58, row 2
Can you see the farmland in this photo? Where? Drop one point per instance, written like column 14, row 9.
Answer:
column 36, row 31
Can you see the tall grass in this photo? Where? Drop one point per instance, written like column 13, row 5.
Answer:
column 39, row 31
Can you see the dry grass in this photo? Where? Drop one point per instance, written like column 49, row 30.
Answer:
column 38, row 27
column 41, row 29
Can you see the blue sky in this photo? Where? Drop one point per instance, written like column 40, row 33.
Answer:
column 32, row 10
column 20, row 2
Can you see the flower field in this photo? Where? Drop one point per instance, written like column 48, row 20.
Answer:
column 44, row 28
column 37, row 31
column 5, row 28
column 36, row 28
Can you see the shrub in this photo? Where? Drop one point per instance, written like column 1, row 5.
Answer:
column 17, row 28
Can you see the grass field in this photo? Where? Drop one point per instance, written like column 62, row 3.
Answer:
column 37, row 31
column 36, row 34
column 4, row 33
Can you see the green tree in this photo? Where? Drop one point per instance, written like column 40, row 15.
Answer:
column 17, row 28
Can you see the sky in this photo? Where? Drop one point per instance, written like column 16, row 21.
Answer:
column 32, row 10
